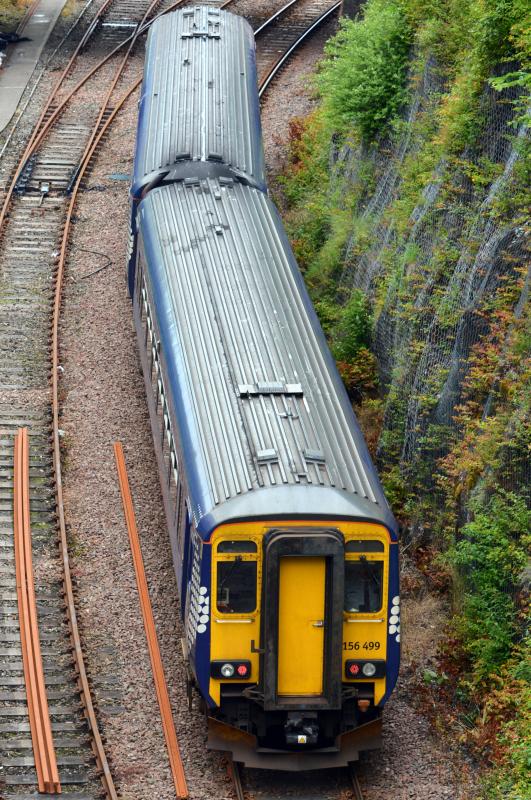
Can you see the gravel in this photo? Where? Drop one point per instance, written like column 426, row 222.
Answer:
column 103, row 399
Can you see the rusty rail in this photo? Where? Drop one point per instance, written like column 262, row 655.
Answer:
column 40, row 726
column 168, row 725
column 97, row 743
column 45, row 123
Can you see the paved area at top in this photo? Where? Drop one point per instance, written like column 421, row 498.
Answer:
column 22, row 58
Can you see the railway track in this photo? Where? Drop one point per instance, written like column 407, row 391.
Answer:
column 282, row 33
column 263, row 785
column 36, row 212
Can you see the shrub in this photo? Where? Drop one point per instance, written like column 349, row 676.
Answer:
column 363, row 79
column 353, row 328
column 359, row 374
column 489, row 558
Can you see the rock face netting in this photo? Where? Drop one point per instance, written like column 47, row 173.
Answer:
column 432, row 283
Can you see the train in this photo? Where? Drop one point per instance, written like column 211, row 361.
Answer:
column 284, row 546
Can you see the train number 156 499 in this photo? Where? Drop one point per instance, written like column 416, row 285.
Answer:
column 361, row 645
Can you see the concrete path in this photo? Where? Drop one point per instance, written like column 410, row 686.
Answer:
column 22, row 58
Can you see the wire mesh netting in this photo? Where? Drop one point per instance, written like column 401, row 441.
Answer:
column 435, row 282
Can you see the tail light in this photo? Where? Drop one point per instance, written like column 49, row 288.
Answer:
column 365, row 669
column 230, row 670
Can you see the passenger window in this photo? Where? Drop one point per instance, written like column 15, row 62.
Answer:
column 237, row 547
column 236, row 591
column 363, row 585
column 364, row 546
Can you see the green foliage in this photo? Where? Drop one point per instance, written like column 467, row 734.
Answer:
column 353, row 328
column 491, row 553
column 363, row 79
column 335, row 164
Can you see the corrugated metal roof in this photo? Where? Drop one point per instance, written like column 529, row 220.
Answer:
column 199, row 98
column 265, row 406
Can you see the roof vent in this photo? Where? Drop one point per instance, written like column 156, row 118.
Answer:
column 265, row 456
column 314, row 455
column 269, row 388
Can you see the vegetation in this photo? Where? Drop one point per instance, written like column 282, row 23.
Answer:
column 11, row 12
column 363, row 79
column 459, row 482
column 489, row 556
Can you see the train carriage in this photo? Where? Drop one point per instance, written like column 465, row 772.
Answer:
column 199, row 111
column 284, row 547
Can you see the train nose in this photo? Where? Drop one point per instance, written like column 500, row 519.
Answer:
column 299, row 729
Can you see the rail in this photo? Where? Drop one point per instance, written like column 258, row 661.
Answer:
column 275, row 69
column 39, row 717
column 48, row 116
column 235, row 774
column 358, row 794
column 98, row 132
column 168, row 726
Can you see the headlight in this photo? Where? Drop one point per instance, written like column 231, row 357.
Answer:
column 368, row 669
column 227, row 670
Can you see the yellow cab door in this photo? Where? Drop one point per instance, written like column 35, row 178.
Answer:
column 301, row 619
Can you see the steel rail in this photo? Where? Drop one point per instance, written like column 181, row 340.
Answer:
column 358, row 794
column 163, row 698
column 117, row 75
column 30, row 10
column 38, row 712
column 275, row 16
column 270, row 20
column 275, row 69
column 85, row 693
column 235, row 774
column 41, row 73
column 43, row 125
column 98, row 132
column 97, row 744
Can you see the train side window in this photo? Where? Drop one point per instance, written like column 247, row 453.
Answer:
column 363, row 585
column 236, row 586
column 364, row 546
column 234, row 546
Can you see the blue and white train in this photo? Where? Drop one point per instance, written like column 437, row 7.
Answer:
column 284, row 546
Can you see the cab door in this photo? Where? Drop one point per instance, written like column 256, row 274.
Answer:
column 301, row 626
column 302, row 611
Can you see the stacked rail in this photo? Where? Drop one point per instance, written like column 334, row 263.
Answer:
column 41, row 729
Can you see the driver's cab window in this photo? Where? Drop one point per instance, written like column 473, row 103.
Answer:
column 364, row 568
column 236, row 577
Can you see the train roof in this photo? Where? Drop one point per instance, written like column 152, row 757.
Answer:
column 199, row 111
column 262, row 412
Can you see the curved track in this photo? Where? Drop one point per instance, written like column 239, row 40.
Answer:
column 33, row 219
